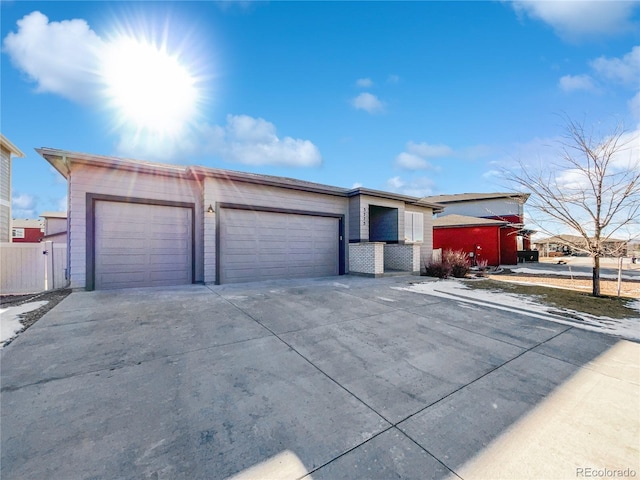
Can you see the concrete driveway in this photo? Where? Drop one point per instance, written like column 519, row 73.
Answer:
column 333, row 378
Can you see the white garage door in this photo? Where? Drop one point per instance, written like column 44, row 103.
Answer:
column 265, row 246
column 139, row 245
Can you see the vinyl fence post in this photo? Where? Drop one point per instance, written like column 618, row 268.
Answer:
column 48, row 265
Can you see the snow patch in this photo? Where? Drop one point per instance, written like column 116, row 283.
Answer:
column 526, row 305
column 568, row 273
column 10, row 324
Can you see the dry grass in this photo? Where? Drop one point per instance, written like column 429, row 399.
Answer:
column 581, row 284
column 561, row 298
column 605, row 306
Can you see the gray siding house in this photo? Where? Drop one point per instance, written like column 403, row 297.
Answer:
column 7, row 150
column 134, row 223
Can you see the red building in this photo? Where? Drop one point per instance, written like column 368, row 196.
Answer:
column 488, row 225
column 26, row 231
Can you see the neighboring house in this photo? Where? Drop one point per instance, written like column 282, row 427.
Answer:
column 7, row 150
column 492, row 221
column 481, row 238
column 499, row 206
column 26, row 231
column 135, row 223
column 55, row 227
column 564, row 245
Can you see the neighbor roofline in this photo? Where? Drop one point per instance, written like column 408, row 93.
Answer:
column 469, row 221
column 9, row 145
column 480, row 196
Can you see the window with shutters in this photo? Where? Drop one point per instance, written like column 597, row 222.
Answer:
column 413, row 227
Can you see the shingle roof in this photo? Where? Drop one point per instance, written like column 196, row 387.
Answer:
column 454, row 220
column 470, row 197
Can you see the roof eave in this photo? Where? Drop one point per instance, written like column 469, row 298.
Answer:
column 257, row 179
column 9, row 145
column 419, row 202
column 61, row 159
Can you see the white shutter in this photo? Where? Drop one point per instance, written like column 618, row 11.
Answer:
column 413, row 227
column 408, row 227
column 418, row 227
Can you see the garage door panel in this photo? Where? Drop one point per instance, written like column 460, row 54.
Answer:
column 138, row 245
column 269, row 245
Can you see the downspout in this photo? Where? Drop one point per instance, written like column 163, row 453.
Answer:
column 65, row 162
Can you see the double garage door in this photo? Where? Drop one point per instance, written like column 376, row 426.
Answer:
column 141, row 245
column 258, row 245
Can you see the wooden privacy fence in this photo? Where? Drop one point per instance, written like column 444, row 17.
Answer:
column 32, row 267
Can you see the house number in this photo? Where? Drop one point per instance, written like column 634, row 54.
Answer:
column 364, row 215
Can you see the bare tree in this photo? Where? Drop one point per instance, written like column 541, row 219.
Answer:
column 592, row 189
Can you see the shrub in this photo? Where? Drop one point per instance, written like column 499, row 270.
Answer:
column 482, row 267
column 458, row 262
column 438, row 270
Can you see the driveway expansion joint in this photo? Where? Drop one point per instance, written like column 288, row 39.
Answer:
column 292, row 348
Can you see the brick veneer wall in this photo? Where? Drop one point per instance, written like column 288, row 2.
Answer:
column 405, row 258
column 366, row 258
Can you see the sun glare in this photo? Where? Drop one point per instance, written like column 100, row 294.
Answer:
column 149, row 87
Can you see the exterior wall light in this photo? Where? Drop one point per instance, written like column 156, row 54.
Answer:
column 210, row 209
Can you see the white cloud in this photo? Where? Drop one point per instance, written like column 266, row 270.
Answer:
column 492, row 174
column 416, row 154
column 417, row 187
column 395, row 183
column 571, row 180
column 23, row 201
column 625, row 70
column 368, row 102
column 622, row 71
column 571, row 83
column 60, row 57
column 254, row 141
column 24, row 205
column 577, row 19
column 410, row 161
column 357, row 185
column 243, row 139
column 628, row 155
column 429, row 151
column 364, row 82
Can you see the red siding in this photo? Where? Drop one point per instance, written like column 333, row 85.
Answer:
column 465, row 238
column 509, row 246
column 31, row 235
column 499, row 246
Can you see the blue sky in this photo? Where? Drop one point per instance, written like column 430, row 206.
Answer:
column 413, row 97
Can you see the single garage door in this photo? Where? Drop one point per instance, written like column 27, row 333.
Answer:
column 140, row 245
column 258, row 245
